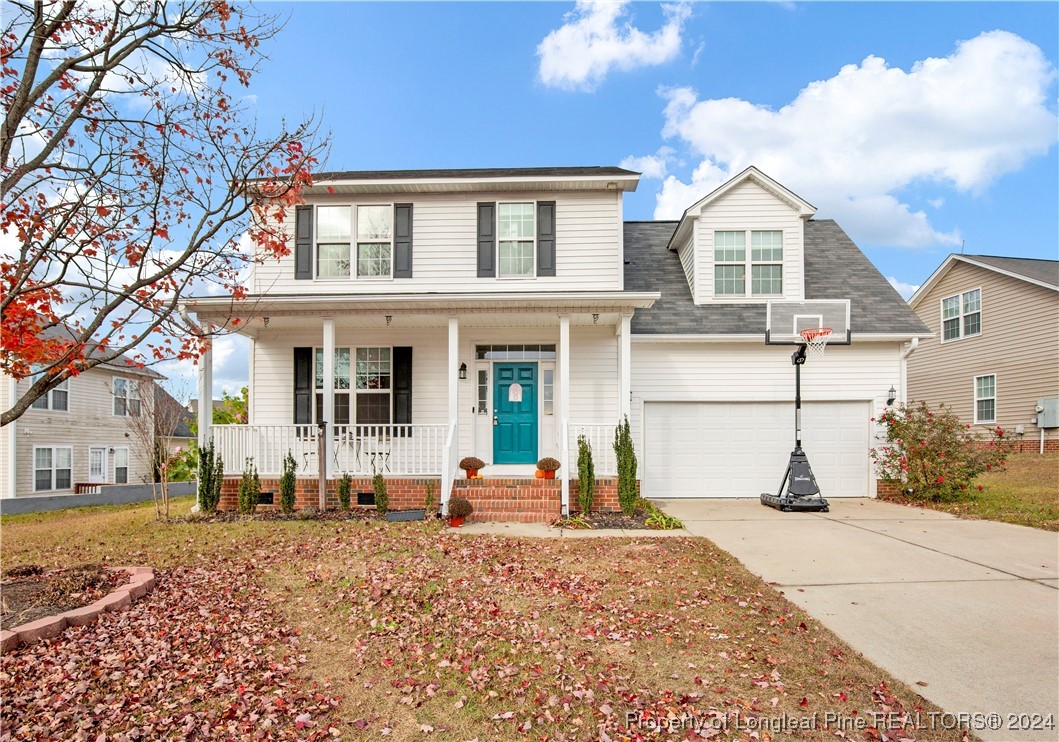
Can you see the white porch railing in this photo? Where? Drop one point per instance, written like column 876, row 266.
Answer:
column 359, row 450
column 601, row 438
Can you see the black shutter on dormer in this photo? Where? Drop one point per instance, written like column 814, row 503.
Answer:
column 545, row 238
column 486, row 240
column 303, row 242
column 402, row 241
column 303, row 386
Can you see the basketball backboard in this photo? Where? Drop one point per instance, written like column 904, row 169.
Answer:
column 785, row 320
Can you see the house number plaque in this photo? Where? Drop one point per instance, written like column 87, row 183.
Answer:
column 514, row 393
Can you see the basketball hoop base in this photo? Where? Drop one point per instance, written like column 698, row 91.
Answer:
column 798, row 491
column 788, row 504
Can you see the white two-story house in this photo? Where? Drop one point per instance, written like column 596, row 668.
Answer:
column 423, row 316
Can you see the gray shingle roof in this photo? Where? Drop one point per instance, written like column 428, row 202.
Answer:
column 835, row 268
column 1045, row 271
column 483, row 172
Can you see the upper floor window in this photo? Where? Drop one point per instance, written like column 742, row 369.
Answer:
column 338, row 254
column 126, row 397
column 733, row 262
column 961, row 315
column 57, row 399
column 333, row 241
column 516, row 227
column 985, row 399
column 374, row 241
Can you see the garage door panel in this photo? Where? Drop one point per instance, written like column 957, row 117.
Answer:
column 740, row 449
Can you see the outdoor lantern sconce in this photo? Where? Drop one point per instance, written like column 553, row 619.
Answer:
column 892, row 396
column 463, row 371
column 266, row 320
column 389, row 319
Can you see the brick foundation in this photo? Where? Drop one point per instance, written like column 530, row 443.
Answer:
column 404, row 493
column 888, row 487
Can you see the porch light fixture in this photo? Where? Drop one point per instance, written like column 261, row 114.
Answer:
column 389, row 319
column 463, row 371
column 266, row 321
column 595, row 318
column 892, row 396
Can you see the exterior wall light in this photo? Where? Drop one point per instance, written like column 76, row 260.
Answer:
column 463, row 371
column 892, row 396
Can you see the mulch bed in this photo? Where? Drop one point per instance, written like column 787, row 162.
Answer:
column 636, row 521
column 31, row 592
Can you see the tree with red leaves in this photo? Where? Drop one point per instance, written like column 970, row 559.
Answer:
column 132, row 176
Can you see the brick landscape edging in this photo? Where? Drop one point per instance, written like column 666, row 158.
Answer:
column 141, row 581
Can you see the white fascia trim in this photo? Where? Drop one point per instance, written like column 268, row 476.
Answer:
column 760, row 338
column 946, row 265
column 624, row 181
column 632, row 299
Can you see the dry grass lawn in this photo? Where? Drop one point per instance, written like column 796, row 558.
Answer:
column 426, row 634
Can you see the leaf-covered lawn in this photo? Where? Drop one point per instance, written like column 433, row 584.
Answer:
column 367, row 629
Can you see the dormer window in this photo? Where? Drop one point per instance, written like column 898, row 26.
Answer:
column 733, row 262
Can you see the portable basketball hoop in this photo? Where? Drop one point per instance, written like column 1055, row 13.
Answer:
column 816, row 340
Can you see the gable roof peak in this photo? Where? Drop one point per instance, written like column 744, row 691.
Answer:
column 1038, row 271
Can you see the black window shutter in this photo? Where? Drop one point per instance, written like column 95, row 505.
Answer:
column 486, row 240
column 545, row 238
column 303, row 386
column 402, row 389
column 303, row 242
column 402, row 241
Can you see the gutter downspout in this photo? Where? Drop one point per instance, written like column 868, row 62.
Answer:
column 913, row 345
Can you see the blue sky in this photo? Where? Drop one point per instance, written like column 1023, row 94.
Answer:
column 917, row 126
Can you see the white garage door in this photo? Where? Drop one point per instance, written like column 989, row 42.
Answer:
column 741, row 449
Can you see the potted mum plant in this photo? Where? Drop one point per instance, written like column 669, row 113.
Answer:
column 471, row 465
column 547, row 467
column 459, row 509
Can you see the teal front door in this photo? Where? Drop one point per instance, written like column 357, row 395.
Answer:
column 515, row 413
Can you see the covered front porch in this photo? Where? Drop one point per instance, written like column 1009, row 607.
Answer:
column 418, row 385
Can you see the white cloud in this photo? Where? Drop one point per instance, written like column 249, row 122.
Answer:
column 904, row 289
column 850, row 143
column 653, row 166
column 937, row 203
column 579, row 54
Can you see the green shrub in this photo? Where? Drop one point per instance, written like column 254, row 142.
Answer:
column 625, row 453
column 382, row 500
column 287, row 482
column 586, row 474
column 345, row 484
column 935, row 454
column 211, row 477
column 249, row 489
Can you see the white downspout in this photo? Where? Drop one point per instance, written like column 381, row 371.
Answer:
column 903, row 396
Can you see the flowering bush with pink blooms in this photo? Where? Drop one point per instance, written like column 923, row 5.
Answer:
column 933, row 453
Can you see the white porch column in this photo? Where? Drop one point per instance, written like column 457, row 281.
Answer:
column 205, row 410
column 625, row 366
column 564, row 407
column 329, row 393
column 454, row 365
column 450, row 449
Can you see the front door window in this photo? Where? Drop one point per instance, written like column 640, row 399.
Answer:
column 515, row 413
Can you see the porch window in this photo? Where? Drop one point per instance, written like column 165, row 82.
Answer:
column 544, row 352
column 52, row 468
column 548, row 391
column 373, row 386
column 126, row 397
column 333, row 239
column 341, row 389
column 58, row 399
column 517, row 230
column 121, row 466
column 374, row 241
column 483, row 391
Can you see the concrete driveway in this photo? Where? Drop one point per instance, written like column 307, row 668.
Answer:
column 971, row 608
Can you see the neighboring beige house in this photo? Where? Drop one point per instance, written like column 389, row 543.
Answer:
column 995, row 350
column 75, row 437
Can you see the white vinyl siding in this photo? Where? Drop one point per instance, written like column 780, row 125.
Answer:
column 749, row 208
column 961, row 315
column 686, row 253
column 588, row 238
column 985, row 399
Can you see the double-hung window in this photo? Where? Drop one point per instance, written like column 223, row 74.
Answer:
column 126, row 397
column 121, row 466
column 52, row 468
column 374, row 241
column 374, row 385
column 763, row 262
column 58, row 399
column 341, row 390
column 985, row 399
column 333, row 241
column 517, row 232
column 961, row 315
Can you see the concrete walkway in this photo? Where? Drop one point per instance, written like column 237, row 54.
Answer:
column 543, row 530
column 971, row 608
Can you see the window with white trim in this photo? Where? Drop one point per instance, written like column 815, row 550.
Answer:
column 57, row 400
column 334, row 239
column 985, row 399
column 961, row 315
column 121, row 465
column 341, row 389
column 373, row 386
column 126, row 397
column 375, row 241
column 52, row 468
column 517, row 244
column 763, row 262
column 483, row 391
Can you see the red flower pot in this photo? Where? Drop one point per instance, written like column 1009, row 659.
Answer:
column 549, row 474
column 455, row 522
column 472, row 473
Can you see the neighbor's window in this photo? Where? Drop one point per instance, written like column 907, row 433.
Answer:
column 961, row 315
column 341, row 390
column 121, row 466
column 333, row 239
column 126, row 397
column 516, row 227
column 374, row 241
column 373, row 386
column 52, row 468
column 985, row 399
column 731, row 263
column 57, row 399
